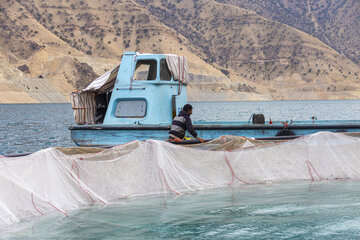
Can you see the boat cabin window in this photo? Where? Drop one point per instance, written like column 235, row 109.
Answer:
column 164, row 71
column 131, row 108
column 145, row 70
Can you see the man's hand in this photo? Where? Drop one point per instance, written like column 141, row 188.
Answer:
column 200, row 139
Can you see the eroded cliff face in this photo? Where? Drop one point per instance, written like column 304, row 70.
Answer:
column 50, row 48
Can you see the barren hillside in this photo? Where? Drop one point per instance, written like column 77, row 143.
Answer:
column 66, row 44
column 290, row 63
column 50, row 48
column 335, row 22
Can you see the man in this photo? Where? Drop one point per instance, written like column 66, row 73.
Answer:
column 181, row 123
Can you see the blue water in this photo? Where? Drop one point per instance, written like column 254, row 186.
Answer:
column 297, row 210
column 31, row 127
column 278, row 110
column 320, row 210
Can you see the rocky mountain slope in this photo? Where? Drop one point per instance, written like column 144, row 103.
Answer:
column 290, row 63
column 50, row 48
column 334, row 22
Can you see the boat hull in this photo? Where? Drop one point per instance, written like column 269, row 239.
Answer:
column 100, row 135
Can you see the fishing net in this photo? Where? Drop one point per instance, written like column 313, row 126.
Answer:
column 63, row 180
column 229, row 143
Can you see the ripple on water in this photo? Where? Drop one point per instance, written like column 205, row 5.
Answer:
column 278, row 211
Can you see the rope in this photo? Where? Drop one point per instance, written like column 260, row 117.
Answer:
column 231, row 169
column 162, row 172
column 183, row 69
column 312, row 177
column 232, row 172
column 317, row 174
column 179, row 90
column 32, row 200
column 78, row 180
column 58, row 209
column 233, row 175
column 310, row 166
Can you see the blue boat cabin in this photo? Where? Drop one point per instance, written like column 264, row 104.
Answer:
column 145, row 89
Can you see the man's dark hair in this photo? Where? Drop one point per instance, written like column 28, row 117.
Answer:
column 187, row 107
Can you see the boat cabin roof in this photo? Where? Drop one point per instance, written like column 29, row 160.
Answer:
column 155, row 68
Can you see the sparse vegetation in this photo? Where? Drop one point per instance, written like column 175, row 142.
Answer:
column 234, row 41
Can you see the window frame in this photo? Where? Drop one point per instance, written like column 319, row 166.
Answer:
column 131, row 116
column 150, row 65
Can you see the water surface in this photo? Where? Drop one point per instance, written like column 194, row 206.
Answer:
column 31, row 127
column 302, row 210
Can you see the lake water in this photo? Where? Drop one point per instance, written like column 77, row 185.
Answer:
column 297, row 210
column 320, row 210
column 31, row 127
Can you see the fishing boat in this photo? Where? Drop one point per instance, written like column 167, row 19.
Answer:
column 138, row 99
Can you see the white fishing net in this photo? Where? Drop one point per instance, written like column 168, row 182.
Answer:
column 50, row 180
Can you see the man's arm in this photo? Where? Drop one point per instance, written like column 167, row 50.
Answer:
column 191, row 129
